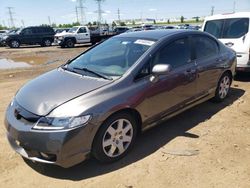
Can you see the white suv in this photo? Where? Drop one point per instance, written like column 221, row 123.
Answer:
column 234, row 31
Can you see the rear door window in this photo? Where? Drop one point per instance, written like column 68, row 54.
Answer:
column 228, row 28
column 235, row 28
column 204, row 47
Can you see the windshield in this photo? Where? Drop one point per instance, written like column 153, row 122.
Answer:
column 19, row 31
column 112, row 57
column 73, row 30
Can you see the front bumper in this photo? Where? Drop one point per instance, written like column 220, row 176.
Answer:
column 65, row 148
column 60, row 42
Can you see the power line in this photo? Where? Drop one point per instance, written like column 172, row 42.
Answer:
column 212, row 10
column 10, row 12
column 49, row 20
column 82, row 14
column 234, row 5
column 99, row 11
column 118, row 14
column 77, row 18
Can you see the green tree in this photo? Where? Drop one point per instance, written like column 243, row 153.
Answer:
column 168, row 21
column 3, row 27
column 182, row 19
column 133, row 22
column 154, row 21
column 122, row 24
column 113, row 24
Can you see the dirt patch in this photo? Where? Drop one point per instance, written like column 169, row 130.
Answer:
column 206, row 146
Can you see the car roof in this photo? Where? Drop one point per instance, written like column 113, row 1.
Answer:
column 156, row 34
column 229, row 15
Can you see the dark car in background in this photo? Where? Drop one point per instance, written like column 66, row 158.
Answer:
column 119, row 30
column 98, row 102
column 42, row 35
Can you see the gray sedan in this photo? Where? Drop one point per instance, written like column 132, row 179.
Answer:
column 99, row 101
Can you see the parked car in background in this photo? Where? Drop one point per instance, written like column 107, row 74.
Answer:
column 119, row 30
column 42, row 35
column 2, row 34
column 169, row 27
column 99, row 101
column 78, row 35
column 234, row 31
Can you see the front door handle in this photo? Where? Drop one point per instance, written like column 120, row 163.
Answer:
column 229, row 44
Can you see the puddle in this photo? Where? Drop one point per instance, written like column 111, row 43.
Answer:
column 10, row 64
column 31, row 59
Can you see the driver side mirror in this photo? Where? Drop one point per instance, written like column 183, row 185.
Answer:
column 160, row 69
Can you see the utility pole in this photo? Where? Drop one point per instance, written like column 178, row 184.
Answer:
column 212, row 10
column 22, row 23
column 99, row 11
column 118, row 14
column 10, row 12
column 77, row 18
column 82, row 14
column 234, row 6
column 49, row 20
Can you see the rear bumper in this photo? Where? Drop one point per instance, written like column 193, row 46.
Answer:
column 243, row 68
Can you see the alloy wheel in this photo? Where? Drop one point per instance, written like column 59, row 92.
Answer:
column 117, row 138
column 224, row 87
column 15, row 44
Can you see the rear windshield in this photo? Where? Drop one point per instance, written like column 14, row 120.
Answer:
column 228, row 28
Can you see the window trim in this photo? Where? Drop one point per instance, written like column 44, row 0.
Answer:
column 170, row 42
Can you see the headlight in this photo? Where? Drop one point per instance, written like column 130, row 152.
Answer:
column 5, row 37
column 57, row 123
column 60, row 38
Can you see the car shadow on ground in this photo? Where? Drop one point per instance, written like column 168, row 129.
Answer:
column 242, row 76
column 146, row 144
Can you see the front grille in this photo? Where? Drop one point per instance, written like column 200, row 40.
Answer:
column 21, row 113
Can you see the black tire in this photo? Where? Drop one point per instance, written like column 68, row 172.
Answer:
column 98, row 148
column 46, row 43
column 70, row 43
column 219, row 97
column 14, row 44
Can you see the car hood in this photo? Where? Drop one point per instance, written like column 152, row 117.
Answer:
column 41, row 95
column 64, row 34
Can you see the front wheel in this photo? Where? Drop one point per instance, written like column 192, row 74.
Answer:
column 223, row 87
column 115, row 138
column 70, row 43
column 14, row 44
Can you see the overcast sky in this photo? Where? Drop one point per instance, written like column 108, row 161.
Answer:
column 34, row 12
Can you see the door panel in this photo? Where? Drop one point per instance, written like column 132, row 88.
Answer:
column 83, row 35
column 175, row 89
column 208, row 60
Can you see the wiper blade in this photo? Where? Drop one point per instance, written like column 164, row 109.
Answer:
column 93, row 72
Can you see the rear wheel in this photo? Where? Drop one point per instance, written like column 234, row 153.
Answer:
column 46, row 42
column 14, row 44
column 70, row 43
column 115, row 138
column 223, row 87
